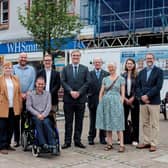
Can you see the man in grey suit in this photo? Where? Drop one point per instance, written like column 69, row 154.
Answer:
column 96, row 75
column 75, row 80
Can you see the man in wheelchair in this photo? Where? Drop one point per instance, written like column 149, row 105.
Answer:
column 39, row 105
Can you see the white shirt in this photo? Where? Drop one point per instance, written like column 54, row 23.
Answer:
column 48, row 76
column 10, row 90
column 128, row 86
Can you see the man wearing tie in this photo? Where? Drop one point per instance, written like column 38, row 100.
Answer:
column 149, row 84
column 75, row 80
column 96, row 76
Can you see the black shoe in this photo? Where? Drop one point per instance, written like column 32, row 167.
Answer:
column 80, row 145
column 91, row 142
column 66, row 145
column 11, row 149
column 103, row 142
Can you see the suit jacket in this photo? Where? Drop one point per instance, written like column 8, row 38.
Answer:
column 150, row 87
column 95, row 85
column 54, row 84
column 4, row 103
column 80, row 83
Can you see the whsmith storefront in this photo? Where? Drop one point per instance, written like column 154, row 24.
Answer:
column 10, row 51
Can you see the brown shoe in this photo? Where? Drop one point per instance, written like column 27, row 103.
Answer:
column 143, row 146
column 4, row 151
column 121, row 149
column 152, row 149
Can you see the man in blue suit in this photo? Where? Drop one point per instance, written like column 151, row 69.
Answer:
column 96, row 75
column 149, row 84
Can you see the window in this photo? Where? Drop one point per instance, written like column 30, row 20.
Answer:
column 4, row 10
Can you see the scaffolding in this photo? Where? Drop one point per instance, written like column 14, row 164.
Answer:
column 126, row 22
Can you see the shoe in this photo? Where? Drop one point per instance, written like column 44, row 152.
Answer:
column 11, row 149
column 152, row 149
column 80, row 145
column 134, row 143
column 143, row 146
column 4, row 151
column 108, row 147
column 16, row 145
column 65, row 145
column 91, row 142
column 121, row 149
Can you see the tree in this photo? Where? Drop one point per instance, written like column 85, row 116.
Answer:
column 48, row 20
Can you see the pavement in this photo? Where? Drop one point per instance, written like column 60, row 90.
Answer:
column 93, row 156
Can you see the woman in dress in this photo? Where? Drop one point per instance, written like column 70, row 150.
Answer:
column 110, row 112
column 131, row 104
column 10, row 103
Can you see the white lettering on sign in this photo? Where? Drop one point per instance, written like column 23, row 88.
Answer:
column 18, row 47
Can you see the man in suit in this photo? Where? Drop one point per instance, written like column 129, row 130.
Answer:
column 149, row 84
column 75, row 80
column 52, row 80
column 96, row 76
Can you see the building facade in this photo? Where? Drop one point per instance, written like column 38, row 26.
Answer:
column 14, row 38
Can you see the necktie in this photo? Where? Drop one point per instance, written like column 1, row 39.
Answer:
column 75, row 71
column 98, row 74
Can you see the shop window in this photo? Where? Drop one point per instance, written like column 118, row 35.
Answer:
column 4, row 14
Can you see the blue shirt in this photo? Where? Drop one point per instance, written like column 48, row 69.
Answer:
column 26, row 77
column 149, row 70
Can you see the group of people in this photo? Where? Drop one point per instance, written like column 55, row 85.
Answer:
column 111, row 97
column 21, row 89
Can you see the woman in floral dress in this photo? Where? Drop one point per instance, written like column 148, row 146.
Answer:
column 110, row 112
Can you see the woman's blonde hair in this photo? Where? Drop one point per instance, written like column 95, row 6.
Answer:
column 7, row 64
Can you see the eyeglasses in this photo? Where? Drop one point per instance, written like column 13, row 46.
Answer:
column 75, row 55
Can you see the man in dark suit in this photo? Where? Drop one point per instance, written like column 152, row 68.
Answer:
column 75, row 80
column 149, row 84
column 96, row 76
column 52, row 80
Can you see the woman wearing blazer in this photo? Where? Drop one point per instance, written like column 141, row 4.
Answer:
column 10, row 103
column 131, row 104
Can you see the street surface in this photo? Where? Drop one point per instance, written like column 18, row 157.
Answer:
column 93, row 156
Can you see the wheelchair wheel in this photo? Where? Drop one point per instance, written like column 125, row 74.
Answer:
column 35, row 151
column 24, row 141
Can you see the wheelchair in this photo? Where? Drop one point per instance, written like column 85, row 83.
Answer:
column 29, row 137
column 163, row 109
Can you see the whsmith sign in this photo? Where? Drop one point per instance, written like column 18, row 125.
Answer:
column 31, row 46
column 17, row 47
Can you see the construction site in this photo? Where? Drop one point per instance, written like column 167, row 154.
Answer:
column 124, row 23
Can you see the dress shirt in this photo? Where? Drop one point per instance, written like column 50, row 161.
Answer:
column 48, row 77
column 75, row 69
column 98, row 73
column 128, row 86
column 149, row 70
column 26, row 77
